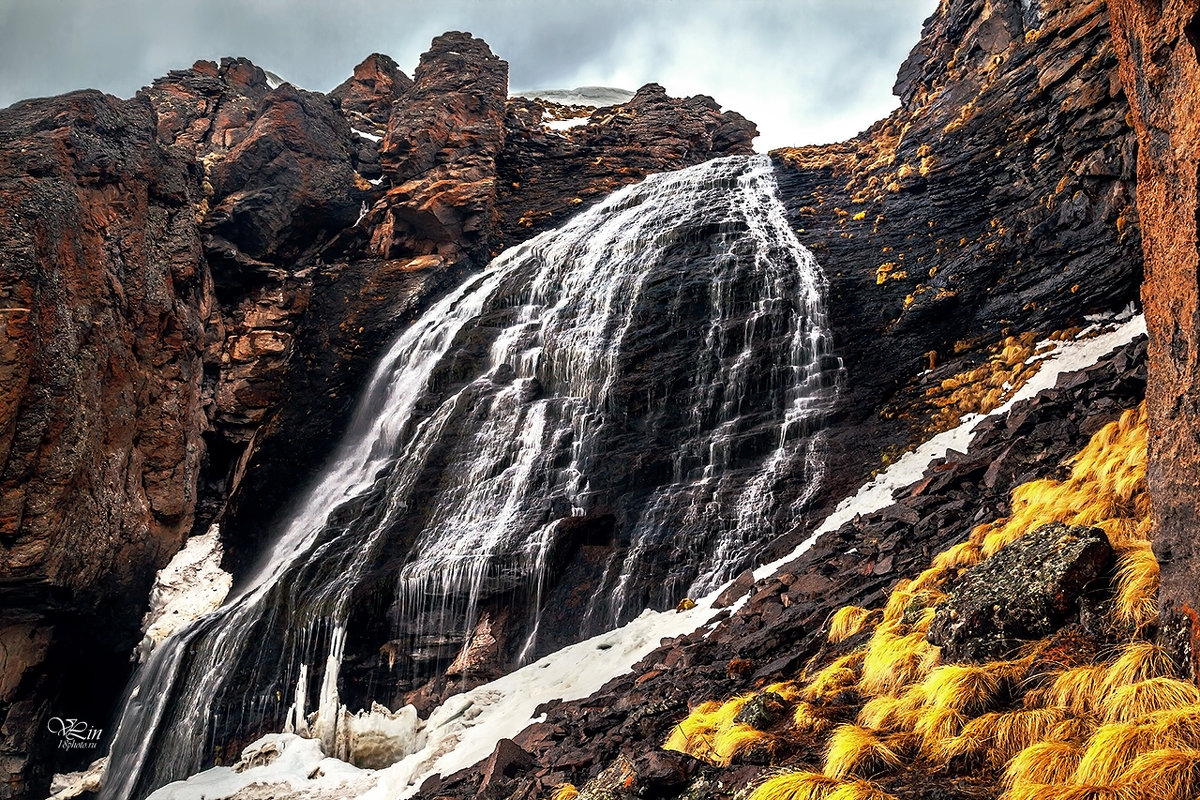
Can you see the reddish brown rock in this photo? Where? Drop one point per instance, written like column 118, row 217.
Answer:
column 376, row 83
column 546, row 175
column 102, row 316
column 1159, row 47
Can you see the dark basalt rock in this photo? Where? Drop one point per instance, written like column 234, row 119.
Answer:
column 999, row 198
column 763, row 711
column 1025, row 591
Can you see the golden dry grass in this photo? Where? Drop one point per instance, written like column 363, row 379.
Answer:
column 1122, row 726
column 847, row 622
column 795, row 786
column 855, row 751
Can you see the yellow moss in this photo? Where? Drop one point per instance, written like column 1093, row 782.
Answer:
column 795, row 786
column 847, row 622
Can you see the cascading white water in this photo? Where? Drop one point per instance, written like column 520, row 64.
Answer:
column 660, row 359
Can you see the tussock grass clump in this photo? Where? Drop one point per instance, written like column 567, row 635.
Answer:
column 855, row 751
column 847, row 622
column 712, row 732
column 858, row 790
column 1138, row 699
column 795, row 786
column 1043, row 763
column 1166, row 773
column 1136, row 600
column 565, row 792
column 983, row 388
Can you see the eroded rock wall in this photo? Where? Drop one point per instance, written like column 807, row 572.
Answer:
column 102, row 332
column 1160, row 65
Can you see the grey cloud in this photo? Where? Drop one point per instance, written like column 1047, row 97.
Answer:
column 803, row 69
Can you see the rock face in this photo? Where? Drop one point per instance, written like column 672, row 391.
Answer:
column 999, row 197
column 1022, row 593
column 376, row 83
column 1157, row 45
column 103, row 315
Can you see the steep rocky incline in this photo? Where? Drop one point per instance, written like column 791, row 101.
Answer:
column 785, row 618
column 998, row 199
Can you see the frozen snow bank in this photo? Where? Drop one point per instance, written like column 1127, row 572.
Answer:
column 275, row 762
column 187, row 588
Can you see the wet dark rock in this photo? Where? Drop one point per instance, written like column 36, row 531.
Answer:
column 736, row 590
column 1021, row 593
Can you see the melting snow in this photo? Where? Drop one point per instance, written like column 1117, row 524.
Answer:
column 465, row 729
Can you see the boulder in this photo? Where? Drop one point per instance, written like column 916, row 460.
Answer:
column 1025, row 591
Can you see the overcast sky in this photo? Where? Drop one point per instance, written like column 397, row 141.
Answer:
column 807, row 71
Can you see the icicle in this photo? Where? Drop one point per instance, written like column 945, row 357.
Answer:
column 329, row 707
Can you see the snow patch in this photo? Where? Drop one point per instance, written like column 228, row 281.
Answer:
column 564, row 124
column 368, row 136
column 580, row 96
column 187, row 588
column 280, row 760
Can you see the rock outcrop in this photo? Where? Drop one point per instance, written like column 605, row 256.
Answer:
column 1021, row 594
column 1159, row 47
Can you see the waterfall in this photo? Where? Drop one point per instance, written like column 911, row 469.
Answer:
column 658, row 367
